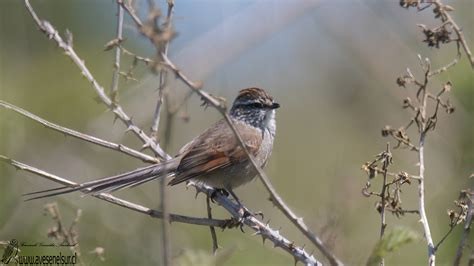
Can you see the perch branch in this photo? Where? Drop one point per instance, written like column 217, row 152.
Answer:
column 261, row 229
column 117, row 201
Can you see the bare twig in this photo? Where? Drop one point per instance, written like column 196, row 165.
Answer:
column 68, row 236
column 154, row 133
column 466, row 230
column 156, row 121
column 106, row 144
column 119, row 38
column 421, row 174
column 162, row 75
column 131, row 12
column 147, row 61
column 383, row 224
column 211, row 228
column 448, row 19
column 53, row 34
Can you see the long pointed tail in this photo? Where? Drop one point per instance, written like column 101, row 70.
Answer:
column 112, row 183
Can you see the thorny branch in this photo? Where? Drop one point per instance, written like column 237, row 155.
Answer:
column 118, row 39
column 117, row 201
column 261, row 229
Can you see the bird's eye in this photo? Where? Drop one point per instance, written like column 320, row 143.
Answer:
column 256, row 105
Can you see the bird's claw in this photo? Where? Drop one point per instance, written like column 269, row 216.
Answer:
column 233, row 223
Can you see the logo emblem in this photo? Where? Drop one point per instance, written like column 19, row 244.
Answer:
column 10, row 251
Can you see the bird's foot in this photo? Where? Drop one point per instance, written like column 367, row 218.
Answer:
column 234, row 222
column 218, row 191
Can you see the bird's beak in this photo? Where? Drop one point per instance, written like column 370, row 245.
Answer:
column 275, row 105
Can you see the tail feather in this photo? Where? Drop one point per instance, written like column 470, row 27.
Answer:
column 112, row 183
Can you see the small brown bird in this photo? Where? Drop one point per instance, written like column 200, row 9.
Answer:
column 214, row 157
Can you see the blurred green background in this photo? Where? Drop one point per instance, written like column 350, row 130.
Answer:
column 331, row 65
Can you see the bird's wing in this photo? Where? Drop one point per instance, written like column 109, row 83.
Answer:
column 215, row 149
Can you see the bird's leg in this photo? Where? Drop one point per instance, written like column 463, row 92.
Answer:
column 243, row 211
column 218, row 190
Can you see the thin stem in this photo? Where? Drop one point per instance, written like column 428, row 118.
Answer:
column 421, row 199
column 211, row 228
column 162, row 75
column 131, row 12
column 116, row 75
column 466, row 231
column 383, row 224
column 421, row 162
column 103, row 143
column 458, row 31
column 164, row 206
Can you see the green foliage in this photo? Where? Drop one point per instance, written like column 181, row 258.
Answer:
column 391, row 241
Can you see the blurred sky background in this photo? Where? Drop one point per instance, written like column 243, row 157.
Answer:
column 332, row 66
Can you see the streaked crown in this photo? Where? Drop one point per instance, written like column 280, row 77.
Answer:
column 255, row 98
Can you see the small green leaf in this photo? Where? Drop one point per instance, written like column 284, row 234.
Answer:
column 391, row 241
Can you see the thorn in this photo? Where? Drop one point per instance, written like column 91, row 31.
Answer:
column 291, row 246
column 277, row 232
column 296, row 261
column 196, row 195
column 257, row 233
column 144, row 146
column 129, row 128
column 115, row 119
column 263, row 239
